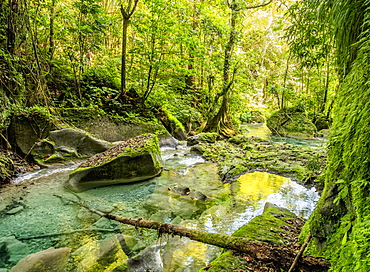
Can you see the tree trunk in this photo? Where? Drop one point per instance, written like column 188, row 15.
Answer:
column 51, row 31
column 220, row 122
column 124, row 53
column 11, row 31
column 126, row 15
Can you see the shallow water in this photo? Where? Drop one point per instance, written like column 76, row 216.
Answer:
column 47, row 221
column 262, row 131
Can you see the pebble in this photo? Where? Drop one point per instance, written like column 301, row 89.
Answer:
column 15, row 210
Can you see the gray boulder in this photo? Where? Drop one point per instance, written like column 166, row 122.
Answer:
column 79, row 140
column 68, row 143
column 133, row 160
column 147, row 260
column 51, row 260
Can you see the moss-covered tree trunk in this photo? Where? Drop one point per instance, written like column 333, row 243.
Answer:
column 220, row 122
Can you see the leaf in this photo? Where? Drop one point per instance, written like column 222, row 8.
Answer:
column 344, row 240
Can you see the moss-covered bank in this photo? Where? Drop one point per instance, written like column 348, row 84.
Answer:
column 340, row 225
column 241, row 154
column 276, row 226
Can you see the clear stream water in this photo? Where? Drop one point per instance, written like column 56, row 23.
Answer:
column 45, row 220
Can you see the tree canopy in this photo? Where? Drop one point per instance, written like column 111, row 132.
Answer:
column 209, row 62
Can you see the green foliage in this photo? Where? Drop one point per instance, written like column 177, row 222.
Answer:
column 341, row 222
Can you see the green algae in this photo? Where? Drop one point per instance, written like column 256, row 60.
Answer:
column 242, row 154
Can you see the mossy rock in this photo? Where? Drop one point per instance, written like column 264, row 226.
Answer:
column 6, row 169
column 240, row 139
column 48, row 260
column 136, row 159
column 206, row 137
column 291, row 122
column 252, row 117
column 265, row 228
column 29, row 126
column 68, row 144
column 106, row 255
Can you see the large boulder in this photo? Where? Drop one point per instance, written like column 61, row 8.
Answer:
column 67, row 143
column 291, row 122
column 53, row 260
column 133, row 160
column 27, row 127
column 108, row 129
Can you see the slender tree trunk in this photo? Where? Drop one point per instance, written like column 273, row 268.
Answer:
column 282, row 106
column 13, row 7
column 220, row 122
column 326, row 90
column 124, row 54
column 51, row 30
column 126, row 15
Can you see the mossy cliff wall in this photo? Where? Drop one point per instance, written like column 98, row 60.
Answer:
column 341, row 223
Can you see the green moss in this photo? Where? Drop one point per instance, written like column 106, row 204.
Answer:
column 61, row 157
column 302, row 163
column 227, row 262
column 6, row 169
column 341, row 223
column 265, row 227
column 131, row 148
column 207, row 137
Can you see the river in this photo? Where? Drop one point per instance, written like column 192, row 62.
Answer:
column 38, row 220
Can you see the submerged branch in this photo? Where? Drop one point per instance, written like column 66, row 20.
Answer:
column 220, row 240
column 260, row 251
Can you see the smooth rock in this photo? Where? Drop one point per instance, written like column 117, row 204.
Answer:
column 51, row 260
column 147, row 260
column 14, row 249
column 127, row 166
column 15, row 210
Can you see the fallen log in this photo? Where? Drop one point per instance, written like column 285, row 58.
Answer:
column 258, row 250
column 220, row 240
